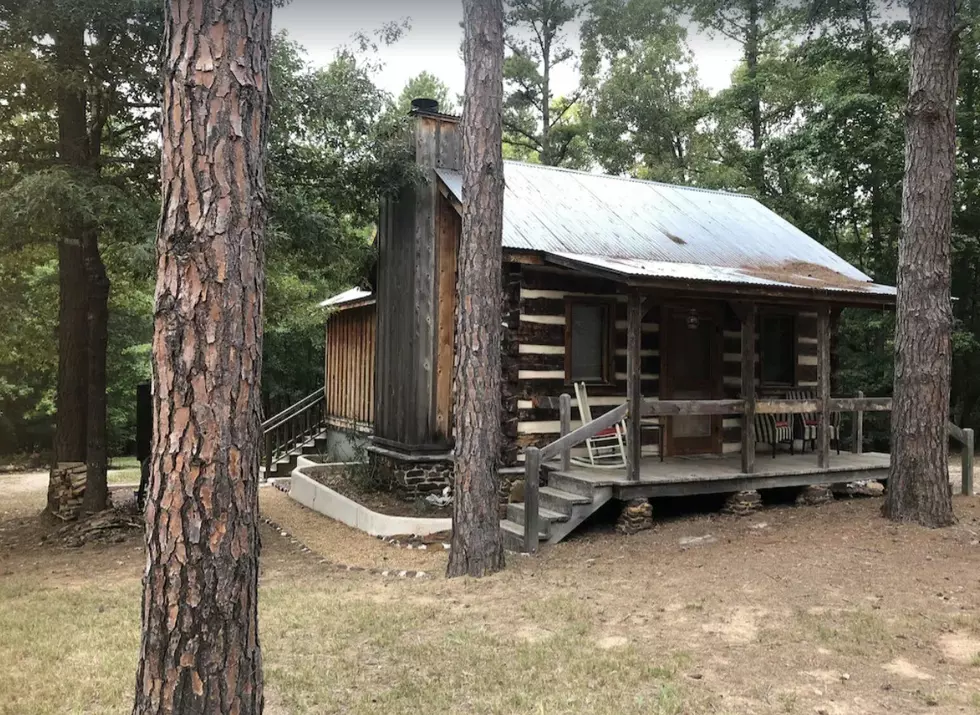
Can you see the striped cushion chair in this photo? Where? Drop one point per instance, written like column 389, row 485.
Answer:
column 773, row 429
column 808, row 424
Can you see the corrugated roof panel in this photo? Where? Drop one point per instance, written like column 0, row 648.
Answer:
column 571, row 212
column 351, row 295
column 798, row 278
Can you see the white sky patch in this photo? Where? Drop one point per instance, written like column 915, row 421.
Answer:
column 434, row 41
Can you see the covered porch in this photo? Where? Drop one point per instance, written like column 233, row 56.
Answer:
column 712, row 474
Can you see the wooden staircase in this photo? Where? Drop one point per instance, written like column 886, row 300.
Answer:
column 297, row 430
column 563, row 505
column 284, row 463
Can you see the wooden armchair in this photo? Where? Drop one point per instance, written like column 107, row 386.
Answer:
column 773, row 429
column 808, row 424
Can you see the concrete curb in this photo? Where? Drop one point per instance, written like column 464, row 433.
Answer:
column 326, row 501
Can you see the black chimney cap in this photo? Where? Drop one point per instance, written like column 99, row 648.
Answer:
column 425, row 105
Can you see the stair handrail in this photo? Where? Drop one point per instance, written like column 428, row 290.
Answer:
column 294, row 408
column 292, row 427
column 534, row 456
column 965, row 436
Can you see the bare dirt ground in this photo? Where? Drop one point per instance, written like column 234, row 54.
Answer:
column 825, row 609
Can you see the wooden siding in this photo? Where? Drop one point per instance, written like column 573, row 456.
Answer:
column 349, row 367
column 534, row 368
column 539, row 359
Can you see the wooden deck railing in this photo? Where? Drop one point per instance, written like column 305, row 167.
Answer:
column 965, row 437
column 292, row 427
column 535, row 456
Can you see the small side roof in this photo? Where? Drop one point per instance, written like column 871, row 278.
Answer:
column 350, row 298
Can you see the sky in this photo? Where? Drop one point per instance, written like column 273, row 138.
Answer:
column 433, row 42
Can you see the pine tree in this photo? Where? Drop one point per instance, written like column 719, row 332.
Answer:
column 918, row 482
column 200, row 645
column 477, row 548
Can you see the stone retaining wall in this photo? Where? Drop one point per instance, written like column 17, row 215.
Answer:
column 415, row 478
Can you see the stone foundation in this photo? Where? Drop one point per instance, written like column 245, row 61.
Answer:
column 636, row 516
column 813, row 495
column 742, row 503
column 417, row 477
column 859, row 489
column 414, row 477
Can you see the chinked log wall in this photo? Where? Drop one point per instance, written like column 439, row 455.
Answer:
column 349, row 368
column 535, row 374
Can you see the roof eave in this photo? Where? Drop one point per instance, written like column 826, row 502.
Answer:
column 747, row 290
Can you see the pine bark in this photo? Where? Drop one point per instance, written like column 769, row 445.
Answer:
column 918, row 484
column 477, row 549
column 200, row 649
column 72, row 387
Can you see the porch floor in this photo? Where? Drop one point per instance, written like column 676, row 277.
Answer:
column 706, row 474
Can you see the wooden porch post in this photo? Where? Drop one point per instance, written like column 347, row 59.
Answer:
column 747, row 315
column 857, row 431
column 823, row 386
column 634, row 396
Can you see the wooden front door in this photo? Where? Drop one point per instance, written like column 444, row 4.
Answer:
column 690, row 343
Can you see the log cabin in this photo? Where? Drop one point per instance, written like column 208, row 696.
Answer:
column 698, row 322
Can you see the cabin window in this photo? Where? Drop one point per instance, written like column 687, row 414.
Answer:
column 777, row 349
column 588, row 336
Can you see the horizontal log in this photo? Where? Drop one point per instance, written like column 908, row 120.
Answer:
column 863, row 404
column 782, row 407
column 586, row 431
column 692, row 407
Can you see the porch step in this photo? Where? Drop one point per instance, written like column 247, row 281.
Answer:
column 570, row 484
column 559, row 500
column 517, row 514
column 513, row 535
column 285, row 465
column 560, row 511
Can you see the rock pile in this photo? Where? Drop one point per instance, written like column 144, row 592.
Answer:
column 859, row 489
column 66, row 489
column 814, row 494
column 637, row 516
column 742, row 503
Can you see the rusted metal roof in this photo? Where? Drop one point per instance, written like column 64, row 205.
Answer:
column 644, row 228
column 792, row 275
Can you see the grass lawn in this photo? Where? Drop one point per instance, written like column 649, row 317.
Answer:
column 123, row 470
column 826, row 609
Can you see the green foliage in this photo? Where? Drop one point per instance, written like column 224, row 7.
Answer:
column 335, row 143
column 539, row 125
column 427, row 86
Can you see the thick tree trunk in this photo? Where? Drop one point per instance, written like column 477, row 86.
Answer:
column 200, row 645
column 72, row 388
column 96, row 487
column 477, row 548
column 918, row 484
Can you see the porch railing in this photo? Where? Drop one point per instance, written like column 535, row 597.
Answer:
column 561, row 447
column 568, row 439
column 293, row 427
